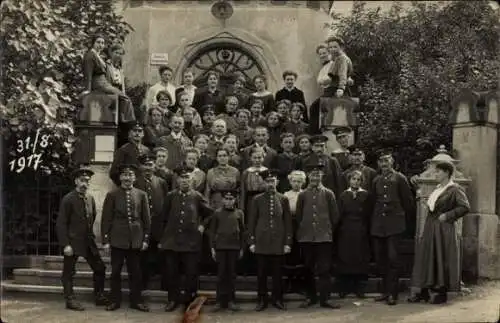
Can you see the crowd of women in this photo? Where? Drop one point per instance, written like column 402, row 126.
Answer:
column 261, row 154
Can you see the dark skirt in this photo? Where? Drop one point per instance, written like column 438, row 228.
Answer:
column 353, row 247
column 437, row 256
column 125, row 109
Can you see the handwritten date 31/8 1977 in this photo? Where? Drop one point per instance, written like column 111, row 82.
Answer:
column 30, row 157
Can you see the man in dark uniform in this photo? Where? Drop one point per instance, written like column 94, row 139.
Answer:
column 342, row 153
column 156, row 189
column 125, row 229
column 332, row 177
column 357, row 158
column 317, row 216
column 227, row 233
column 128, row 153
column 270, row 231
column 394, row 201
column 74, row 225
column 182, row 227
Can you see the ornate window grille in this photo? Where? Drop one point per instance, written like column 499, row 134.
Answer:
column 228, row 61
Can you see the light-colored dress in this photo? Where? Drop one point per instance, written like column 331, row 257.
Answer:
column 220, row 178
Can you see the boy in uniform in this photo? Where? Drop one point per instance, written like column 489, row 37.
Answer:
column 226, row 232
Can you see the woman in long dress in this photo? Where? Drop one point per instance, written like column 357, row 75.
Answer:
column 437, row 265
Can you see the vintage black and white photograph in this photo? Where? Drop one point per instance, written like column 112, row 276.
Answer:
column 250, row 161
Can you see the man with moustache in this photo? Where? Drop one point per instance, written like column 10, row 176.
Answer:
column 357, row 157
column 125, row 227
column 128, row 153
column 394, row 201
column 270, row 231
column 342, row 153
column 182, row 225
column 156, row 189
column 74, row 226
column 317, row 216
column 332, row 173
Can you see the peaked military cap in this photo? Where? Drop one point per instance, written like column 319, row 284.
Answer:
column 127, row 167
column 183, row 171
column 136, row 126
column 146, row 158
column 353, row 149
column 229, row 194
column 315, row 167
column 82, row 171
column 318, row 139
column 341, row 131
column 384, row 152
column 268, row 173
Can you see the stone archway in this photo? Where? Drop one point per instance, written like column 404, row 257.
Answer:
column 232, row 40
column 228, row 60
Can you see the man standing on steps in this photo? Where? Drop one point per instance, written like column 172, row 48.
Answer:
column 394, row 202
column 270, row 238
column 74, row 225
column 317, row 216
column 128, row 153
column 125, row 227
column 156, row 189
column 182, row 225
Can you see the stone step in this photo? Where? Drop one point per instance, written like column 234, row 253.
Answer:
column 44, row 277
column 56, row 263
column 154, row 296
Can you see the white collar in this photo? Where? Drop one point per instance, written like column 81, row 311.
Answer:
column 359, row 190
column 253, row 169
column 176, row 135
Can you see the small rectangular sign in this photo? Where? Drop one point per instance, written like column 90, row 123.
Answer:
column 159, row 59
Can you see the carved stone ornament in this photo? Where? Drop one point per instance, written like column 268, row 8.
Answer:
column 222, row 10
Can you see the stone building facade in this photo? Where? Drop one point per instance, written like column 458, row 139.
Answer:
column 259, row 37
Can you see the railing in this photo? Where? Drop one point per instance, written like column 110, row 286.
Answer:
column 30, row 206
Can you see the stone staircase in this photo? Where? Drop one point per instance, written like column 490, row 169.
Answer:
column 45, row 278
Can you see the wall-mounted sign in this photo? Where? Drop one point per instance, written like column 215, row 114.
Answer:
column 159, row 59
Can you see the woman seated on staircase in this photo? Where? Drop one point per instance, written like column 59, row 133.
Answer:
column 334, row 77
column 107, row 78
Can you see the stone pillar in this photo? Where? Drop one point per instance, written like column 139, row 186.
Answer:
column 475, row 118
column 95, row 147
column 337, row 112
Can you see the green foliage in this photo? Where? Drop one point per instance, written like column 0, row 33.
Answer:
column 408, row 66
column 42, row 47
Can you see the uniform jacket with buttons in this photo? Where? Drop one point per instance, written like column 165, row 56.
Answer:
column 156, row 188
column 394, row 202
column 125, row 220
column 333, row 173
column 270, row 223
column 317, row 215
column 75, row 223
column 183, row 213
column 227, row 230
column 127, row 154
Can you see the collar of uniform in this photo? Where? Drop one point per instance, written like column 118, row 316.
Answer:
column 389, row 173
column 127, row 190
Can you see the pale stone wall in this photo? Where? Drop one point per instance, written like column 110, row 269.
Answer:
column 283, row 37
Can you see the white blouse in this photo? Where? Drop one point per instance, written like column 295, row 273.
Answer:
column 292, row 199
column 323, row 79
column 431, row 201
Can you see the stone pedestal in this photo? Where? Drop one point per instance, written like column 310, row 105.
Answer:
column 100, row 185
column 337, row 112
column 475, row 118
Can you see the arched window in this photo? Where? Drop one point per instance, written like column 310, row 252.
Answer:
column 228, row 61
